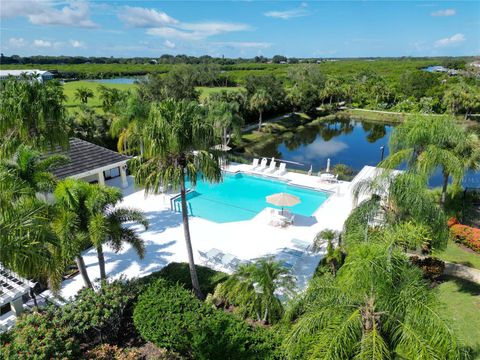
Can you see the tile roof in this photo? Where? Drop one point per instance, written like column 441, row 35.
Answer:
column 85, row 156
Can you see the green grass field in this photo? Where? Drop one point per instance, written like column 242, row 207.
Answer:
column 71, row 87
column 455, row 254
column 462, row 305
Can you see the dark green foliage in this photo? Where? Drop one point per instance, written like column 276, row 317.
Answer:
column 39, row 336
column 431, row 267
column 171, row 317
column 417, row 83
column 93, row 312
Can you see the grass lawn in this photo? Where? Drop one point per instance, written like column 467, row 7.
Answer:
column 462, row 300
column 70, row 87
column 456, row 254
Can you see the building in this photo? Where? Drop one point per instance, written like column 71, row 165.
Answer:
column 41, row 75
column 91, row 163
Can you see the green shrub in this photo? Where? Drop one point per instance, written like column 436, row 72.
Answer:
column 38, row 336
column 93, row 311
column 179, row 273
column 173, row 318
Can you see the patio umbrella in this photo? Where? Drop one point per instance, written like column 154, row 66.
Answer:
column 283, row 199
column 328, row 165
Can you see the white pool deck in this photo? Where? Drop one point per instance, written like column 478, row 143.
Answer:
column 164, row 240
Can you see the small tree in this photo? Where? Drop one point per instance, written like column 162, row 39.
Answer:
column 260, row 101
column 83, row 94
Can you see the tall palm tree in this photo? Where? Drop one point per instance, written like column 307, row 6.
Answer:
column 87, row 215
column 378, row 307
column 28, row 166
column 105, row 223
column 425, row 143
column 32, row 113
column 260, row 101
column 178, row 140
column 83, row 94
column 252, row 289
column 129, row 122
column 226, row 119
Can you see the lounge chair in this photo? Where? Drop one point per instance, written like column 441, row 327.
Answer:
column 254, row 164
column 263, row 165
column 273, row 166
column 282, row 169
column 301, row 244
column 214, row 256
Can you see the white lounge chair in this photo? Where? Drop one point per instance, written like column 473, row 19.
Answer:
column 263, row 165
column 282, row 169
column 254, row 164
column 273, row 166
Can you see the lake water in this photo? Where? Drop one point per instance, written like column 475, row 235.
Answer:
column 351, row 142
column 123, row 80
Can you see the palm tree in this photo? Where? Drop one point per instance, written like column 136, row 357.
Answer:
column 105, row 223
column 426, row 143
column 27, row 244
column 334, row 255
column 378, row 307
column 178, row 140
column 87, row 215
column 83, row 94
column 32, row 114
column 128, row 124
column 260, row 101
column 34, row 170
column 252, row 289
column 226, row 119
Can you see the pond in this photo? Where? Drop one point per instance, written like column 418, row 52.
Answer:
column 120, row 80
column 351, row 142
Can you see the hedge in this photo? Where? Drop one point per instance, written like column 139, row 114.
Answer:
column 172, row 317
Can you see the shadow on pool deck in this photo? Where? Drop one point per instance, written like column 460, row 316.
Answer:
column 301, row 220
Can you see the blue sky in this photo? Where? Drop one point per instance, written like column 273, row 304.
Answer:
column 240, row 28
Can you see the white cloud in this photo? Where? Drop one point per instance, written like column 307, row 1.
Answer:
column 76, row 13
column 288, row 14
column 446, row 12
column 245, row 44
column 16, row 42
column 196, row 31
column 42, row 43
column 449, row 41
column 143, row 17
column 169, row 44
column 77, row 44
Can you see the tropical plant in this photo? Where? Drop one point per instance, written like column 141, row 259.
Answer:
column 260, row 101
column 426, row 143
column 226, row 120
column 33, row 114
column 27, row 244
column 28, row 166
column 407, row 199
column 252, row 290
column 83, row 94
column 178, row 142
column 86, row 215
column 128, row 124
column 334, row 254
column 378, row 307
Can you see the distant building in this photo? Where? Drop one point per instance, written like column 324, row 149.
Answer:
column 40, row 75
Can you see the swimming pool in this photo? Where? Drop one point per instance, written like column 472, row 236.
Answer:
column 241, row 197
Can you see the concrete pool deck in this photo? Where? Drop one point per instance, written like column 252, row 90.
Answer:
column 251, row 239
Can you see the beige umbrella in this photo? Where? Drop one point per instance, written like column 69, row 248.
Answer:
column 283, row 199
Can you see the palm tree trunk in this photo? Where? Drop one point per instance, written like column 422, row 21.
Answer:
column 101, row 262
column 83, row 271
column 444, row 188
column 186, row 231
column 260, row 120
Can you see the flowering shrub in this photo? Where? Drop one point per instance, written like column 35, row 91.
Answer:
column 466, row 235
column 452, row 221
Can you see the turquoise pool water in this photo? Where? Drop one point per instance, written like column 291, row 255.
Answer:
column 241, row 197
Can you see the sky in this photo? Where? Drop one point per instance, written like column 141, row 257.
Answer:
column 240, row 28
